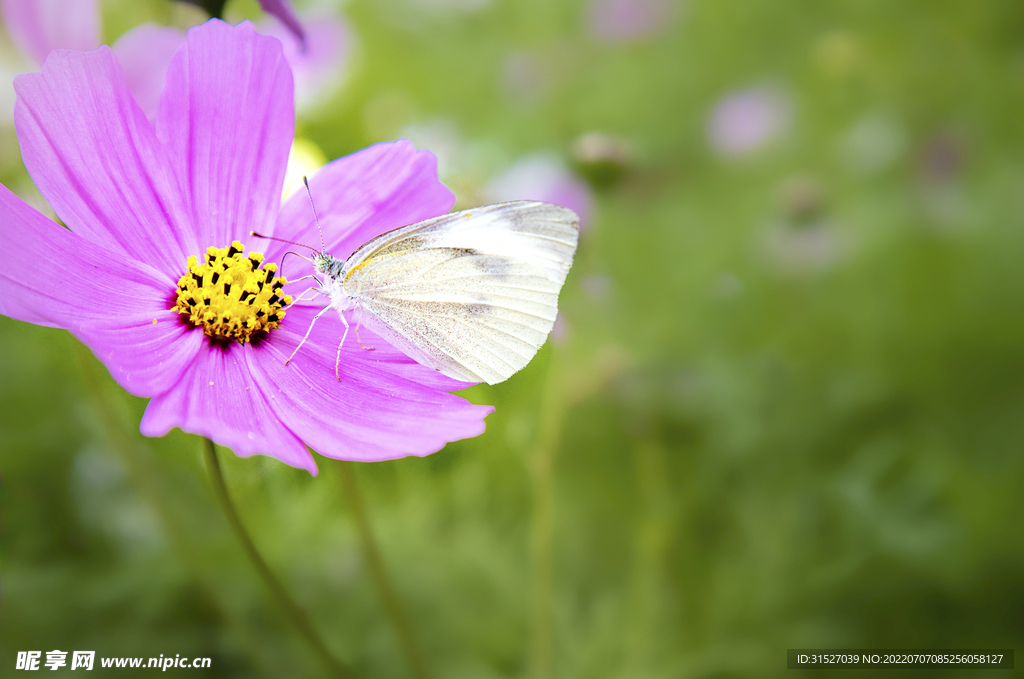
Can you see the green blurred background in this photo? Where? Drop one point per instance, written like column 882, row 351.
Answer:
column 786, row 408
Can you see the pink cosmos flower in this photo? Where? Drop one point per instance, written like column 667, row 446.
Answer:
column 143, row 201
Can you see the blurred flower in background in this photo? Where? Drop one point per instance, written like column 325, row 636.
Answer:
column 941, row 161
column 602, row 158
column 746, row 121
column 317, row 55
column 805, row 241
column 525, row 78
column 529, row 76
column 318, row 61
column 543, row 176
column 38, row 26
column 282, row 10
column 621, row 21
column 452, row 5
column 873, row 143
column 807, row 250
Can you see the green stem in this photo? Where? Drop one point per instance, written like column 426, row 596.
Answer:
column 392, row 605
column 295, row 614
column 542, row 526
column 138, row 460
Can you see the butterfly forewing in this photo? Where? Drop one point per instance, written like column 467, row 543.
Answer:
column 473, row 294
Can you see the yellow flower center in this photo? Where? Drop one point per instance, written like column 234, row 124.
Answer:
column 230, row 296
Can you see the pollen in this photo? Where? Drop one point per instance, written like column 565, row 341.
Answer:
column 232, row 296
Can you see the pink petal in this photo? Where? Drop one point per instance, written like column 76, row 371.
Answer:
column 108, row 301
column 373, row 413
column 362, row 195
column 218, row 398
column 145, row 52
column 228, row 116
column 39, row 26
column 94, row 157
column 394, row 361
column 282, row 9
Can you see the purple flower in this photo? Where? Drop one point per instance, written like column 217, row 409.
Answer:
column 743, row 122
column 144, row 201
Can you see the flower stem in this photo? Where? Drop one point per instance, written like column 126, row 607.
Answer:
column 297, row 616
column 542, row 526
column 392, row 605
column 140, row 465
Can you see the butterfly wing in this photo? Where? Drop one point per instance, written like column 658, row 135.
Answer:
column 473, row 294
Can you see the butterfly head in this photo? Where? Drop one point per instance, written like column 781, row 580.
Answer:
column 328, row 265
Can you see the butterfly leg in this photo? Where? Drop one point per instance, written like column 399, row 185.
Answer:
column 337, row 359
column 304, row 278
column 361, row 341
column 301, row 297
column 308, row 330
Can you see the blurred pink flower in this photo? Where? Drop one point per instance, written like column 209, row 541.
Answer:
column 38, row 26
column 543, row 176
column 597, row 288
column 561, row 333
column 285, row 13
column 525, row 78
column 319, row 62
column 145, row 52
column 745, row 121
column 206, row 339
column 618, row 21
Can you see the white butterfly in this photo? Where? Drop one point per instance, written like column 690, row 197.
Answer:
column 472, row 294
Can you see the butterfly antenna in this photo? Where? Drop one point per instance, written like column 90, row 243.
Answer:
column 284, row 240
column 292, row 252
column 323, row 248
